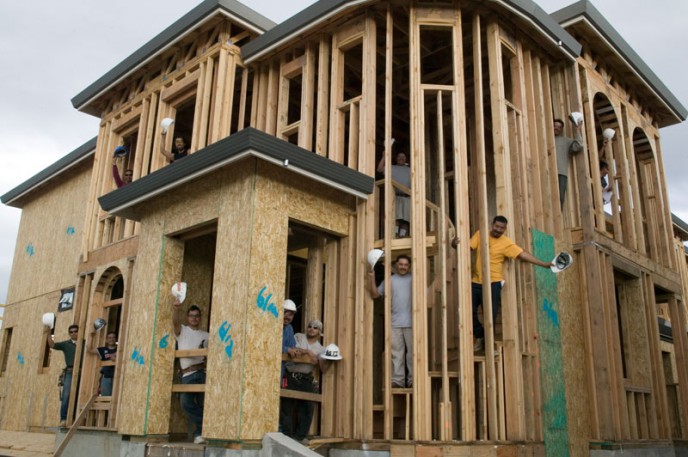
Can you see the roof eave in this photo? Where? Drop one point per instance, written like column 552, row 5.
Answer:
column 584, row 10
column 184, row 26
column 15, row 196
column 323, row 10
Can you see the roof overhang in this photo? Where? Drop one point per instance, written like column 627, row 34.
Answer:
column 680, row 226
column 584, row 19
column 246, row 143
column 66, row 163
column 187, row 24
column 323, row 10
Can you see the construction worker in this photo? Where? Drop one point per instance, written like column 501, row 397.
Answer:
column 190, row 336
column 68, row 348
column 501, row 247
column 296, row 415
column 566, row 147
column 402, row 320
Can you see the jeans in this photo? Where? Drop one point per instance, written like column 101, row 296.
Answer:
column 192, row 402
column 105, row 386
column 64, row 397
column 302, row 408
column 477, row 292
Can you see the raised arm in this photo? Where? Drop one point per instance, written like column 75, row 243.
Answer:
column 49, row 339
column 164, row 151
column 115, row 174
column 177, row 316
column 372, row 287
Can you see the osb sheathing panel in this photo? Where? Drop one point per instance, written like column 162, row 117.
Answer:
column 242, row 399
column 149, row 348
column 39, row 405
column 47, row 250
column 635, row 337
column 572, row 321
column 229, row 353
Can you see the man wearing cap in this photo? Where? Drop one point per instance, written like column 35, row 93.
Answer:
column 68, row 348
column 299, row 377
column 190, row 336
column 501, row 247
column 565, row 147
column 402, row 321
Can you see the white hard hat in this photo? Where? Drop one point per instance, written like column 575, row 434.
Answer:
column 561, row 262
column 289, row 305
column 608, row 134
column 179, row 291
column 99, row 323
column 374, row 256
column 49, row 320
column 576, row 117
column 331, row 352
column 166, row 123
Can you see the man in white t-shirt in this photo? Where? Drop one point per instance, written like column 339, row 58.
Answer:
column 190, row 336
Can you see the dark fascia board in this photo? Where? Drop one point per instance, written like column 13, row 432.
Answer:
column 248, row 142
column 324, row 9
column 679, row 224
column 584, row 9
column 235, row 10
column 67, row 162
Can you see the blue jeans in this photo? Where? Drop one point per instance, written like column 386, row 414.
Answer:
column 105, row 386
column 192, row 402
column 64, row 397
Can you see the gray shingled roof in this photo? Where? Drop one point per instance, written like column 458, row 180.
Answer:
column 72, row 159
column 323, row 9
column 193, row 18
column 584, row 9
column 247, row 142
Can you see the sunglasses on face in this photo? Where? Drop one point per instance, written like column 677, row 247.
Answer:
column 195, row 316
column 313, row 326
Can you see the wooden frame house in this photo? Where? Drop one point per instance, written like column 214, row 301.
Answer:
column 279, row 198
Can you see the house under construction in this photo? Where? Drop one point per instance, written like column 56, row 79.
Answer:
column 279, row 198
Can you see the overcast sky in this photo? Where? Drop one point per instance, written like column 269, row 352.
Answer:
column 54, row 49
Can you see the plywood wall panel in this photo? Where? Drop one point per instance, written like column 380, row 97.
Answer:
column 47, row 250
column 228, row 350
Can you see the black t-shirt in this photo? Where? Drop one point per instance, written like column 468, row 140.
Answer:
column 106, row 354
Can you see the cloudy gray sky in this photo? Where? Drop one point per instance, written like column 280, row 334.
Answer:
column 53, row 50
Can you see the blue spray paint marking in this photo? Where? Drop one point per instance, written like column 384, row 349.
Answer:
column 30, row 249
column 226, row 338
column 229, row 348
column 551, row 313
column 71, row 230
column 20, row 358
column 264, row 303
column 137, row 356
column 164, row 341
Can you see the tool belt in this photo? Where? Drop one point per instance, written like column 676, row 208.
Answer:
column 61, row 378
column 192, row 368
column 300, row 376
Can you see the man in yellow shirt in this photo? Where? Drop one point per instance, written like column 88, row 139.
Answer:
column 501, row 248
